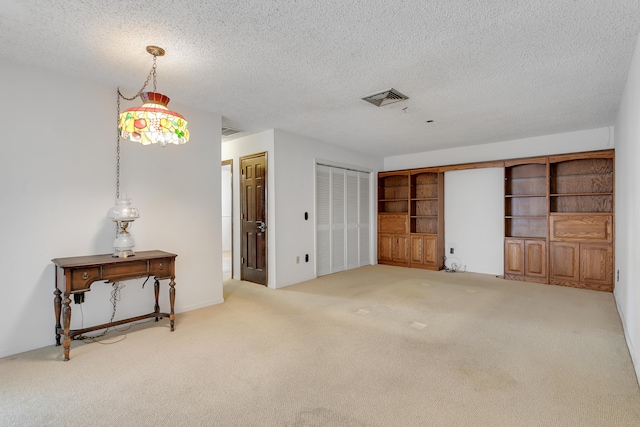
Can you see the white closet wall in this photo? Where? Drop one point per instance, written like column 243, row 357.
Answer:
column 342, row 219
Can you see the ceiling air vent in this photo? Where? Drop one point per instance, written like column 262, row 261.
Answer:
column 227, row 131
column 387, row 97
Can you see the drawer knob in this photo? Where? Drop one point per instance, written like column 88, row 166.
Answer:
column 85, row 275
column 160, row 266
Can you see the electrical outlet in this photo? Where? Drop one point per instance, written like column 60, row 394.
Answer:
column 451, row 250
column 306, row 258
column 297, row 260
column 617, row 275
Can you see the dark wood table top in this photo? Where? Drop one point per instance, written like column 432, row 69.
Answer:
column 104, row 259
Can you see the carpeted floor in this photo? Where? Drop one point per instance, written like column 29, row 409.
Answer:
column 376, row 346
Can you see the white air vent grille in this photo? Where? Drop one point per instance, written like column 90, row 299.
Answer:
column 227, row 131
column 386, row 97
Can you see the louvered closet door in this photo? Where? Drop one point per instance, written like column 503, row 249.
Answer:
column 342, row 219
column 363, row 220
column 352, row 201
column 323, row 220
column 337, row 220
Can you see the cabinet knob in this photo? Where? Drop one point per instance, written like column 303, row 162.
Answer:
column 160, row 266
column 85, row 275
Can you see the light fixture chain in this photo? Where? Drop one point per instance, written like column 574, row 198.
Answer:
column 118, row 95
column 152, row 73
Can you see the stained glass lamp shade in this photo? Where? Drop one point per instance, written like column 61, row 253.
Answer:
column 153, row 122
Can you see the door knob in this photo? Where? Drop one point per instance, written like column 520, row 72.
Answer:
column 262, row 227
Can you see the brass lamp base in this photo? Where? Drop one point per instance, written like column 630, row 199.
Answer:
column 123, row 254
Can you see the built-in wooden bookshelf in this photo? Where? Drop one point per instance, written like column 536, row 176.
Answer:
column 410, row 218
column 581, row 220
column 526, row 209
column 427, row 216
column 558, row 218
column 393, row 218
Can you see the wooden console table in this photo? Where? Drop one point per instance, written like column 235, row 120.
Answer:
column 78, row 273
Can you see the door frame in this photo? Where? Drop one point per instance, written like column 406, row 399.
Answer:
column 266, row 214
column 230, row 163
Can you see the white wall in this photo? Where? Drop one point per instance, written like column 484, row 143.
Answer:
column 295, row 179
column 627, row 139
column 226, row 207
column 559, row 143
column 57, row 189
column 474, row 219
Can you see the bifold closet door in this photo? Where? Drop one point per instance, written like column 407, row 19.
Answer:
column 353, row 230
column 364, row 222
column 342, row 219
column 338, row 241
column 323, row 220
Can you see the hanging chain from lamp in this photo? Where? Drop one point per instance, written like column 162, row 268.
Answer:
column 155, row 51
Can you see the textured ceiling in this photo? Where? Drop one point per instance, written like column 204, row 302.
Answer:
column 483, row 71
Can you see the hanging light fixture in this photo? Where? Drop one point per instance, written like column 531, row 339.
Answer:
column 153, row 122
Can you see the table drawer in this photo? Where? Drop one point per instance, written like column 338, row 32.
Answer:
column 130, row 268
column 161, row 268
column 82, row 277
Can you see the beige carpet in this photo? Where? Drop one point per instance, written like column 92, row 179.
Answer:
column 376, row 346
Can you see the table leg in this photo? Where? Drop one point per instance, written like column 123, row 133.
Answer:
column 57, row 307
column 66, row 322
column 172, row 300
column 156, row 289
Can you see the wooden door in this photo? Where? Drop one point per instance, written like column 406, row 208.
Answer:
column 253, row 218
column 430, row 245
column 424, row 250
column 385, row 247
column 417, row 250
column 596, row 263
column 514, row 256
column 535, row 258
column 401, row 249
column 565, row 261
column 393, row 249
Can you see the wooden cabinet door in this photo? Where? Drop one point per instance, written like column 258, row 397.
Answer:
column 424, row 250
column 514, row 256
column 581, row 227
column 401, row 249
column 565, row 261
column 596, row 263
column 535, row 258
column 393, row 248
column 385, row 246
column 393, row 224
column 417, row 250
column 430, row 244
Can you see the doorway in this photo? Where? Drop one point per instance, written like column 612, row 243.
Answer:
column 227, row 219
column 253, row 218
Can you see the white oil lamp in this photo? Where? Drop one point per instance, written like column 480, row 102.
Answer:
column 123, row 214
